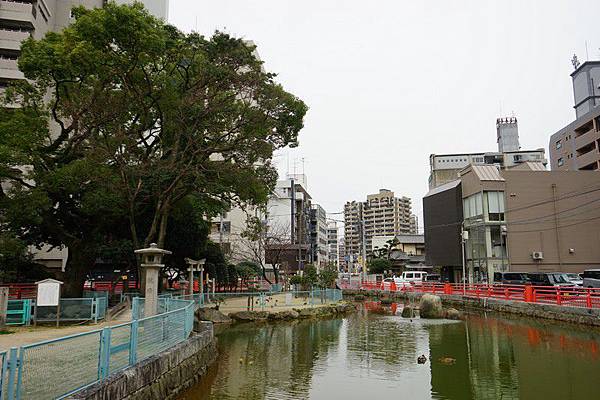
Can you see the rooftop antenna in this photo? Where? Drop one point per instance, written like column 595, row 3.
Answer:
column 587, row 56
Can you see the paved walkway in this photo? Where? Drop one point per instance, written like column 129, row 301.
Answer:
column 32, row 334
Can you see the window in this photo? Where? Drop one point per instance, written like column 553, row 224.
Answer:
column 495, row 203
column 560, row 162
column 472, row 206
column 558, row 145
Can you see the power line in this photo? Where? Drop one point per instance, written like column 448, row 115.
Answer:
column 568, row 195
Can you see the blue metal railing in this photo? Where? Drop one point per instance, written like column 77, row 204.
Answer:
column 60, row 367
column 18, row 312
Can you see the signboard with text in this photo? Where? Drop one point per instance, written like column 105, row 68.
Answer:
column 48, row 293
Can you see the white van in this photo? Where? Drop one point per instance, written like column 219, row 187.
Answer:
column 410, row 277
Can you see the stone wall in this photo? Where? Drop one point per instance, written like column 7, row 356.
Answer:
column 163, row 376
column 579, row 315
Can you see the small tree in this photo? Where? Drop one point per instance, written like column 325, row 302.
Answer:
column 310, row 277
column 379, row 265
column 327, row 277
column 257, row 238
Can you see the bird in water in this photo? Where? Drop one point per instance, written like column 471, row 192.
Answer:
column 421, row 359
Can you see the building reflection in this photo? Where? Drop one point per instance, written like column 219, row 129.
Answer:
column 513, row 359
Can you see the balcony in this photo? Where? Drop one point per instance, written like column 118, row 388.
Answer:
column 21, row 13
column 9, row 69
column 588, row 158
column 11, row 40
column 586, row 138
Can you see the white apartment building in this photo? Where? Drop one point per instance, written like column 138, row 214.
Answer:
column 319, row 236
column 353, row 230
column 332, row 243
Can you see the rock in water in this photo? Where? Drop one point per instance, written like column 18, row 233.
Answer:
column 212, row 315
column 452, row 313
column 408, row 312
column 431, row 307
column 421, row 359
column 249, row 316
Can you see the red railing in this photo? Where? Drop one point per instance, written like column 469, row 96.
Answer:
column 112, row 287
column 563, row 296
column 18, row 291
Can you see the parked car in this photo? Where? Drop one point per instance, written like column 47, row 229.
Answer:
column 409, row 277
column 575, row 279
column 511, row 278
column 591, row 278
column 549, row 279
column 433, row 278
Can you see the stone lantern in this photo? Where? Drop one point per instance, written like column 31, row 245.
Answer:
column 151, row 264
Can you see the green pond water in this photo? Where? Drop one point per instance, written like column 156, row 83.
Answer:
column 373, row 355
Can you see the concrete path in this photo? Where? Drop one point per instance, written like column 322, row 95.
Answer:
column 32, row 334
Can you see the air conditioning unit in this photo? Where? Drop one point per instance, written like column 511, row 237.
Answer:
column 537, row 255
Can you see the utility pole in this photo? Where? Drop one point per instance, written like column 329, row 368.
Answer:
column 221, row 231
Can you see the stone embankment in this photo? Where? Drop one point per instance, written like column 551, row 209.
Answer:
column 163, row 376
column 215, row 316
column 578, row 315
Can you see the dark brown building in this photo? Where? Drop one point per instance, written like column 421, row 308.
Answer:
column 442, row 218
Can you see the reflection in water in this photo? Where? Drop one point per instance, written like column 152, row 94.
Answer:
column 373, row 354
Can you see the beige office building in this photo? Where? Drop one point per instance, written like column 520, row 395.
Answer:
column 382, row 214
column 527, row 219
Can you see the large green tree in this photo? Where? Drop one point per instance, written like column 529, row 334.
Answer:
column 123, row 117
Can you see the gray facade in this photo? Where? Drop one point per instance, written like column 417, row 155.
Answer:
column 507, row 135
column 22, row 19
column 577, row 145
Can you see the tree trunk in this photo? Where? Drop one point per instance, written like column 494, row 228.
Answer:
column 79, row 263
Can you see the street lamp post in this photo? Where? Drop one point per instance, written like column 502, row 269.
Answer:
column 464, row 236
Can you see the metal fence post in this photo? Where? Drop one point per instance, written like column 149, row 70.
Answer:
column 135, row 307
column 27, row 312
column 13, row 362
column 95, row 309
column 104, row 354
column 133, row 340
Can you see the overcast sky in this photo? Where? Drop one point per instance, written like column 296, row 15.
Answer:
column 389, row 82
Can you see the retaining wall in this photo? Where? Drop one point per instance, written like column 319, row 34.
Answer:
column 163, row 376
column 579, row 315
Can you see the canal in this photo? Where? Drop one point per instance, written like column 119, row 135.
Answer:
column 373, row 355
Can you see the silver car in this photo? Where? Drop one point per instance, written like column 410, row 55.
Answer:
column 591, row 278
column 575, row 279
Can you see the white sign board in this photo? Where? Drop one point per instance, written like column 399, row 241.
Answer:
column 48, row 293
